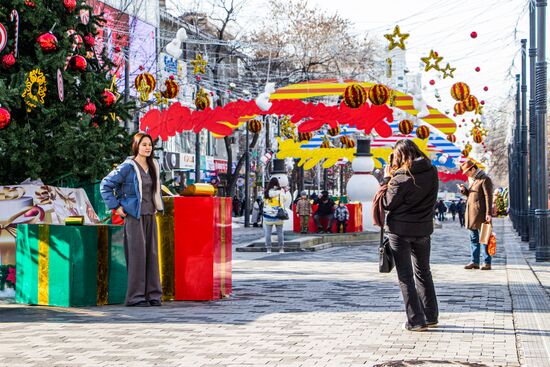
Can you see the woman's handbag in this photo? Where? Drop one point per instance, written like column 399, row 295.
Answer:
column 385, row 263
column 485, row 233
column 282, row 214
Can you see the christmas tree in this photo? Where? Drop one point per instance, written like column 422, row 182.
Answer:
column 59, row 108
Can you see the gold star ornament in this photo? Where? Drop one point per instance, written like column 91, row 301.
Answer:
column 199, row 64
column 448, row 71
column 397, row 39
column 432, row 61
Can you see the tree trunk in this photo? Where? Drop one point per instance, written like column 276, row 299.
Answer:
column 233, row 175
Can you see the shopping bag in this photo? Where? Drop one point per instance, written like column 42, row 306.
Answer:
column 492, row 245
column 485, row 233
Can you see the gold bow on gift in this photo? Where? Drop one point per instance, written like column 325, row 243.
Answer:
column 69, row 199
column 11, row 193
column 45, row 195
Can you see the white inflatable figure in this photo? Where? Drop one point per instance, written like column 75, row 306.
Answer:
column 174, row 47
column 362, row 185
column 263, row 99
column 419, row 104
column 279, row 171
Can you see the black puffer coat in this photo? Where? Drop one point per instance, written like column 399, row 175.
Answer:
column 409, row 200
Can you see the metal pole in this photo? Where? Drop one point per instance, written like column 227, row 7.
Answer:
column 198, row 157
column 532, row 125
column 542, row 214
column 523, row 173
column 246, row 179
column 516, row 181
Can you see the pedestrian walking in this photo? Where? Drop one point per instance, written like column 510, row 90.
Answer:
column 257, row 210
column 412, row 186
column 133, row 190
column 453, row 210
column 324, row 211
column 461, row 209
column 273, row 202
column 479, row 206
column 304, row 211
column 341, row 214
column 441, row 210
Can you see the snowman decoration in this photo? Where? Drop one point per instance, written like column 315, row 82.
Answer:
column 362, row 185
column 279, row 172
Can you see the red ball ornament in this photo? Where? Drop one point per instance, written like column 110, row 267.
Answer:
column 70, row 5
column 108, row 98
column 432, row 82
column 198, row 78
column 459, row 125
column 89, row 41
column 478, row 69
column 5, row 118
column 8, row 61
column 482, row 102
column 473, row 34
column 30, row 4
column 117, row 49
column 78, row 63
column 90, row 108
column 47, row 42
column 485, row 89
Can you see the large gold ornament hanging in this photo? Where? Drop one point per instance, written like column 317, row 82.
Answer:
column 202, row 100
column 199, row 64
column 397, row 39
column 422, row 132
column 468, row 147
column 355, row 96
column 334, row 131
column 34, row 95
column 379, row 94
column 478, row 138
column 406, row 127
column 460, row 91
column 466, row 153
column 471, row 103
column 145, row 84
column 451, row 138
column 432, row 61
column 254, row 126
column 172, row 88
column 305, row 136
column 460, row 108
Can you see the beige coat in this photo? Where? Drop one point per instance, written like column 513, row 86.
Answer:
column 480, row 200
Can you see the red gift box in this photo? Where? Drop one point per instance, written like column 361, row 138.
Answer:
column 202, row 248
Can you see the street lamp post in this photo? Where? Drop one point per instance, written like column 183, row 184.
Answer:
column 532, row 126
column 246, row 179
column 523, row 173
column 516, row 205
column 542, row 214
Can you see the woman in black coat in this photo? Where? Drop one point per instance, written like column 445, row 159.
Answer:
column 409, row 201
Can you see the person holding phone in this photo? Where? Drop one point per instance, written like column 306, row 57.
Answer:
column 133, row 190
column 479, row 204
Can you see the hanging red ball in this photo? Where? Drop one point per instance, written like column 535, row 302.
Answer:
column 478, row 69
column 108, row 98
column 47, row 42
column 30, row 4
column 78, row 63
column 473, row 34
column 90, row 108
column 117, row 49
column 198, row 78
column 89, row 41
column 432, row 82
column 5, row 118
column 459, row 125
column 70, row 5
column 485, row 89
column 482, row 102
column 8, row 61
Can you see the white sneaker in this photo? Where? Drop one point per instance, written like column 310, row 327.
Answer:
column 268, row 251
column 281, row 250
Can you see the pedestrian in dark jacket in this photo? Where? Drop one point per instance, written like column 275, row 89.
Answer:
column 453, row 210
column 325, row 210
column 478, row 211
column 341, row 214
column 441, row 210
column 409, row 202
column 461, row 209
column 133, row 190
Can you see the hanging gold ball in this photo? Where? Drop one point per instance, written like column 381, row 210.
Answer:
column 451, row 138
column 334, row 131
column 305, row 136
column 460, row 108
column 325, row 144
column 423, row 132
column 460, row 91
column 379, row 94
column 406, row 127
column 254, row 126
column 355, row 96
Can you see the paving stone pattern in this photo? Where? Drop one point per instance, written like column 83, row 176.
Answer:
column 327, row 308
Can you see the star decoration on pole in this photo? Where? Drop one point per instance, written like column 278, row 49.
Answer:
column 397, row 39
column 199, row 64
column 479, row 109
column 448, row 71
column 432, row 61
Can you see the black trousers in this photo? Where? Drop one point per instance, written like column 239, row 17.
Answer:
column 412, row 262
column 461, row 219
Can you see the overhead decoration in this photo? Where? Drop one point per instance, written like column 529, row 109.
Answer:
column 355, row 96
column 347, row 142
column 473, row 34
column 3, row 37
column 448, row 71
column 389, row 63
column 451, row 138
column 47, row 42
column 406, row 127
column 305, row 136
column 477, row 137
column 334, row 131
column 465, row 153
column 460, row 108
column 287, row 128
column 254, row 126
column 199, row 65
column 460, row 91
column 432, row 61
column 485, row 88
column 172, row 88
column 471, row 103
column 423, row 132
column 309, row 158
column 447, row 176
column 325, row 144
column 5, row 117
column 202, row 100
column 468, row 147
column 477, row 124
column 432, row 82
column 35, row 89
column 397, row 39
column 145, row 84
column 263, row 98
column 379, row 94
column 478, row 69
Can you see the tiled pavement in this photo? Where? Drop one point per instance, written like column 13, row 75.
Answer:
column 328, row 308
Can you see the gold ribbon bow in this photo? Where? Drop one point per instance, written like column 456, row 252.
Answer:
column 11, row 193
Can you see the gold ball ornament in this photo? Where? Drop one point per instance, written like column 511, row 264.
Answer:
column 379, row 94
column 145, row 84
column 334, row 131
column 347, row 142
column 423, row 132
column 460, row 108
column 325, row 144
column 466, row 153
column 460, row 91
column 471, row 103
column 305, row 136
column 451, row 138
column 406, row 127
column 172, row 88
column 254, row 126
column 478, row 138
column 202, row 102
column 355, row 96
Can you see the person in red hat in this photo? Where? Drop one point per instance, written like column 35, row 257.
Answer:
column 479, row 204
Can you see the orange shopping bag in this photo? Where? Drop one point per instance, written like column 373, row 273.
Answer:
column 492, row 245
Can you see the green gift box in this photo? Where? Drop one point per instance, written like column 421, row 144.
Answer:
column 70, row 265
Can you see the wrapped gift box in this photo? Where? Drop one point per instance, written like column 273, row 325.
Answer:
column 70, row 265
column 355, row 222
column 195, row 237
